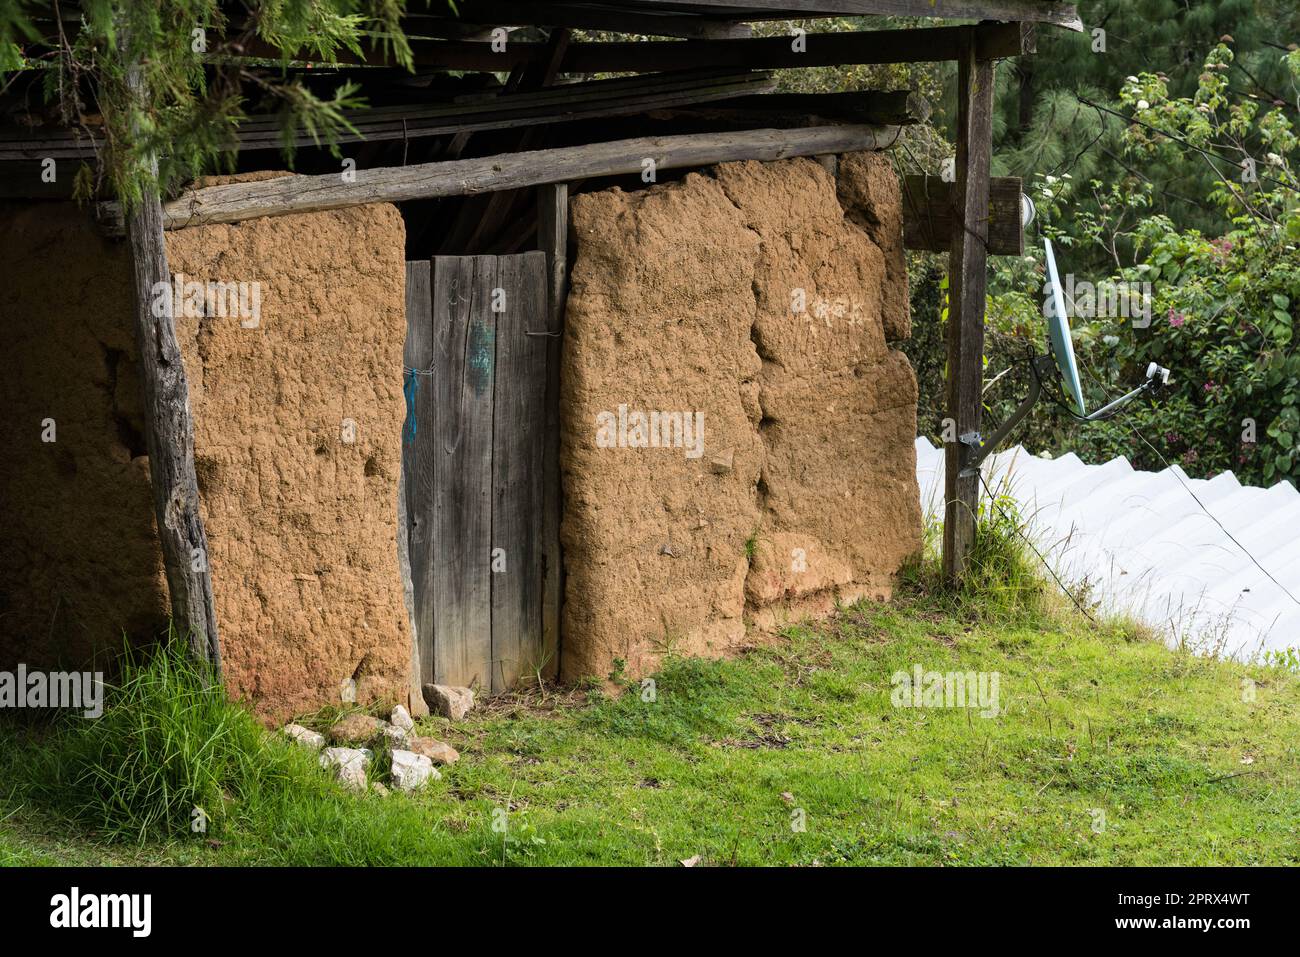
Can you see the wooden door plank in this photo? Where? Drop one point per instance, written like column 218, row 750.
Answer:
column 518, row 431
column 419, row 461
column 465, row 358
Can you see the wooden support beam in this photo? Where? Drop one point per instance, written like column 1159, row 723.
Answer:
column 930, row 207
column 1062, row 14
column 967, row 281
column 585, row 16
column 168, row 427
column 304, row 194
column 932, row 44
column 553, row 239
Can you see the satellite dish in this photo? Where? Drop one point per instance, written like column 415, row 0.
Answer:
column 1027, row 210
column 1058, row 330
column 1042, row 367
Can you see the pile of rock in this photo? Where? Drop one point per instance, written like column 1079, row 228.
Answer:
column 412, row 757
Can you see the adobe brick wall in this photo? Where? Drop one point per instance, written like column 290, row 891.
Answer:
column 302, row 524
column 747, row 295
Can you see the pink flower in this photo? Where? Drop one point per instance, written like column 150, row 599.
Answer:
column 1176, row 319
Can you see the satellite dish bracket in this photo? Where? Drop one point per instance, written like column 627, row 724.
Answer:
column 1040, row 366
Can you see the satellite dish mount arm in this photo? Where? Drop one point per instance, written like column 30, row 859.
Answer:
column 1040, row 366
column 978, row 449
column 1157, row 376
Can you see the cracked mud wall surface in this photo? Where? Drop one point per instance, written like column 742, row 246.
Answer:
column 869, row 190
column 749, row 296
column 298, row 426
column 302, row 524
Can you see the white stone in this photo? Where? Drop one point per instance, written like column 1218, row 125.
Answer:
column 412, row 771
column 305, row 736
column 349, row 764
column 401, row 718
column 449, row 701
column 348, row 691
column 394, row 736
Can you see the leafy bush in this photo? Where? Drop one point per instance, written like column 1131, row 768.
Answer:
column 1218, row 311
column 1222, row 321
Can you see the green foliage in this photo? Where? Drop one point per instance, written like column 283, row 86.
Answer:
column 1223, row 316
column 195, row 83
column 1003, row 578
column 15, row 27
column 1219, row 310
column 1284, row 659
column 1052, row 107
column 924, row 78
column 726, row 753
column 927, row 349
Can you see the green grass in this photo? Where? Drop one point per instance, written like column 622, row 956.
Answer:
column 1095, row 721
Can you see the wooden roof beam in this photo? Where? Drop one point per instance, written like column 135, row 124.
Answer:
column 589, row 16
column 235, row 202
column 993, row 41
column 1057, row 12
column 594, row 99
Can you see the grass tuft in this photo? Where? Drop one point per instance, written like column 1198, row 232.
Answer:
column 170, row 755
column 1004, row 580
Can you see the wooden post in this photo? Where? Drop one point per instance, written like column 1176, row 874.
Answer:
column 168, row 427
column 967, row 282
column 553, row 239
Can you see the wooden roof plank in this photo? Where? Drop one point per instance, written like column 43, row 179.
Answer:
column 1062, row 14
column 922, row 44
column 593, row 99
column 615, row 18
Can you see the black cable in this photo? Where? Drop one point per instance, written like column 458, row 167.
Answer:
column 1187, row 487
column 1231, row 537
column 1074, row 415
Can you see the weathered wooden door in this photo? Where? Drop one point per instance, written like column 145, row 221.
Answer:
column 481, row 548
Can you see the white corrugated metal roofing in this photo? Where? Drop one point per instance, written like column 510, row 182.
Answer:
column 1143, row 546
